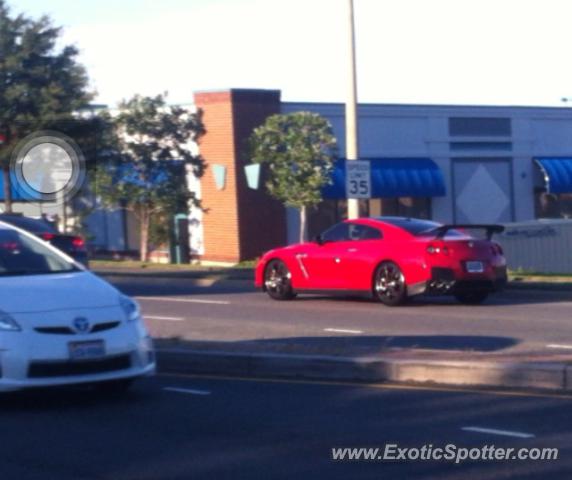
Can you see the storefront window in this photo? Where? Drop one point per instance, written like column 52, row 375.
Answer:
column 414, row 207
column 550, row 205
column 330, row 212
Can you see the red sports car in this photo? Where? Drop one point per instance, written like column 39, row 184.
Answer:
column 390, row 259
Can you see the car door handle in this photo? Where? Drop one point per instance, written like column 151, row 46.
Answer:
column 352, row 250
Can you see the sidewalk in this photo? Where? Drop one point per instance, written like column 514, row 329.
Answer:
column 247, row 275
column 206, row 273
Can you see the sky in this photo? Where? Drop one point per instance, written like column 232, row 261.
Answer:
column 495, row 52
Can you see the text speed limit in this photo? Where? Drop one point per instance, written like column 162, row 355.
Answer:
column 358, row 179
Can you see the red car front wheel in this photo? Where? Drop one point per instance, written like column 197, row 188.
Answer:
column 278, row 281
column 389, row 284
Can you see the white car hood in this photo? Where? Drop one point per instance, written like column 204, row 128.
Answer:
column 66, row 291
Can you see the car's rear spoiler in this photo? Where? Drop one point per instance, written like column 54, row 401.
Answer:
column 441, row 231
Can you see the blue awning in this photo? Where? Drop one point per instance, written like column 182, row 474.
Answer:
column 557, row 173
column 337, row 189
column 393, row 177
column 18, row 194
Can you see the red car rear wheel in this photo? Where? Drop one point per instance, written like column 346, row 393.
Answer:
column 389, row 284
column 278, row 281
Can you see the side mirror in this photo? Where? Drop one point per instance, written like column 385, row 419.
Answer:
column 319, row 240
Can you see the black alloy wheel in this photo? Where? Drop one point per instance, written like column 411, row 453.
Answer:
column 278, row 281
column 389, row 284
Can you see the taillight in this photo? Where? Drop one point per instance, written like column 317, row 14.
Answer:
column 78, row 242
column 48, row 236
column 437, row 248
column 10, row 246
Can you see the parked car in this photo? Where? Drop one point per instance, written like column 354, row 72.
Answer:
column 60, row 324
column 390, row 259
column 72, row 245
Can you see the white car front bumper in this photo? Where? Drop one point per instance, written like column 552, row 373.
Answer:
column 33, row 358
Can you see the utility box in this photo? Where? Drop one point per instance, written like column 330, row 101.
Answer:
column 180, row 244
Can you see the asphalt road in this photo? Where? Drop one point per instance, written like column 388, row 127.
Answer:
column 176, row 427
column 233, row 312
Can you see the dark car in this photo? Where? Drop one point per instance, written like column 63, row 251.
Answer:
column 72, row 245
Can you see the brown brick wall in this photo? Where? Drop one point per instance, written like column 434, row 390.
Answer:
column 262, row 223
column 239, row 223
column 220, row 220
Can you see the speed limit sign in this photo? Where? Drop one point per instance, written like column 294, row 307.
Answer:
column 358, row 179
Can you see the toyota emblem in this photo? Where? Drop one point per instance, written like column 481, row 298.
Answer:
column 81, row 325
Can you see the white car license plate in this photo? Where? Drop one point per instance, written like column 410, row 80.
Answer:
column 475, row 267
column 86, row 350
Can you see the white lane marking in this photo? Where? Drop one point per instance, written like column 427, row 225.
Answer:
column 342, row 330
column 189, row 391
column 556, row 345
column 185, row 300
column 494, row 431
column 169, row 319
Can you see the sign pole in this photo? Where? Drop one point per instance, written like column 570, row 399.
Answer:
column 352, row 153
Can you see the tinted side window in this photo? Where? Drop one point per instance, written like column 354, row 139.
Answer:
column 363, row 232
column 412, row 225
column 337, row 233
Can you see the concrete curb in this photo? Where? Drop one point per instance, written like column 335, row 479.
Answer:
column 551, row 376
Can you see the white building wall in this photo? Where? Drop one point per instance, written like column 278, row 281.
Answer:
column 423, row 130
column 107, row 229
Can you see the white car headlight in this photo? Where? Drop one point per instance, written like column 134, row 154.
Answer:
column 7, row 323
column 130, row 307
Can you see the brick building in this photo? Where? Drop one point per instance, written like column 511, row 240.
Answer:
column 451, row 163
column 238, row 222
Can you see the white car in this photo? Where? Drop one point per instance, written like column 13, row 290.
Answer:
column 61, row 324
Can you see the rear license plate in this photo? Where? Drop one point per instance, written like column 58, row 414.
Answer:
column 86, row 350
column 475, row 267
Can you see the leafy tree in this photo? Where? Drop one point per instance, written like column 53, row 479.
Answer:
column 148, row 177
column 299, row 149
column 94, row 132
column 39, row 84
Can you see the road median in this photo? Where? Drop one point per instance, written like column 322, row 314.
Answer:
column 526, row 371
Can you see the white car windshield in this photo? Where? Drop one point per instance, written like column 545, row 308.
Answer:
column 22, row 254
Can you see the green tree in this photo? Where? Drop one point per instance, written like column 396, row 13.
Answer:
column 299, row 149
column 94, row 132
column 39, row 84
column 148, row 176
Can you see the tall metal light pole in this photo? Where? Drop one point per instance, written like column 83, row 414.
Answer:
column 352, row 152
